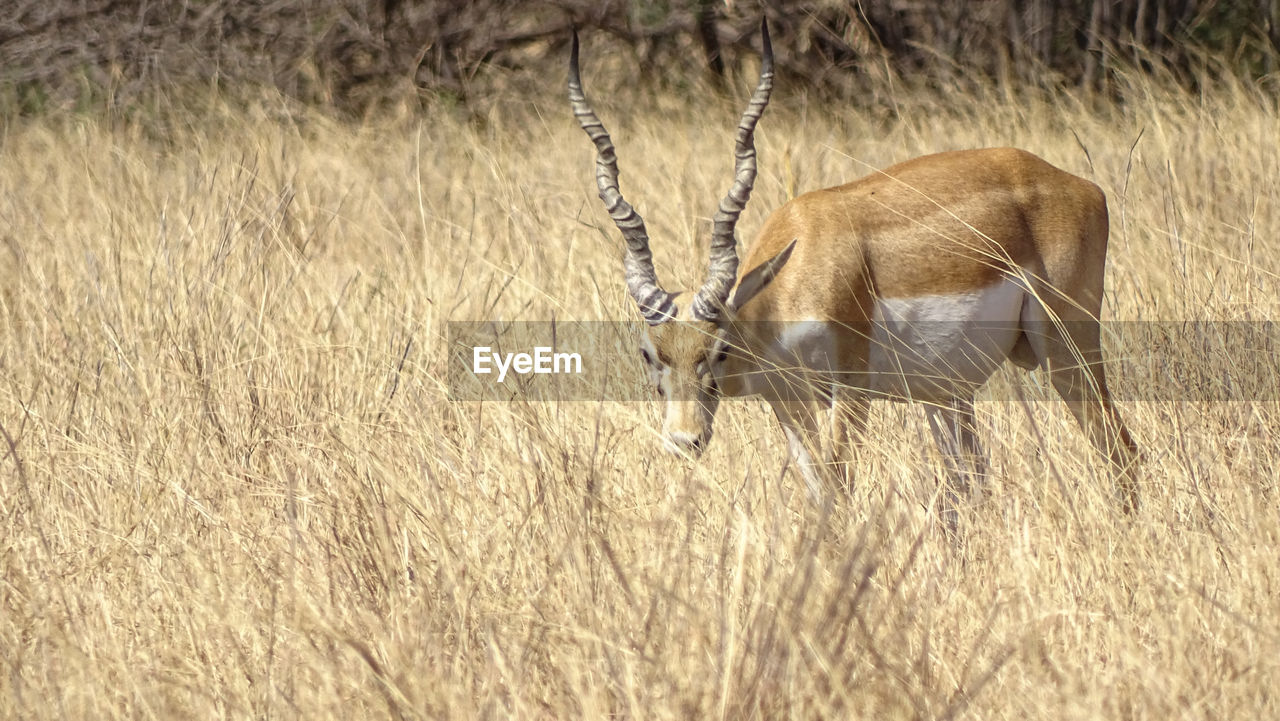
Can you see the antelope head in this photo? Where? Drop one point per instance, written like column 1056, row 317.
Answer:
column 686, row 350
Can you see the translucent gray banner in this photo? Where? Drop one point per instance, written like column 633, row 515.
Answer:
column 599, row 360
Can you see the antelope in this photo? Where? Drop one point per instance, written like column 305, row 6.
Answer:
column 915, row 283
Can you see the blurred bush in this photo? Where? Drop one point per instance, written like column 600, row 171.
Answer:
column 353, row 54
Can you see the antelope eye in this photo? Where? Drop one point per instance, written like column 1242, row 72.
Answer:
column 648, row 359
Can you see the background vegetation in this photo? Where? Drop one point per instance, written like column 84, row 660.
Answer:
column 232, row 483
column 355, row 54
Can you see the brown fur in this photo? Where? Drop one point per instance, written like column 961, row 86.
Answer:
column 933, row 225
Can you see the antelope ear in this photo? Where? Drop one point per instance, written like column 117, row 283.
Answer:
column 760, row 277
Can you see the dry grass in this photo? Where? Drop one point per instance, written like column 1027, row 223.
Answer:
column 231, row 484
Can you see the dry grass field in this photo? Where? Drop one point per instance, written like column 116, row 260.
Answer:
column 232, row 483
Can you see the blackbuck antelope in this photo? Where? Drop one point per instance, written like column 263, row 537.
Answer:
column 915, row 282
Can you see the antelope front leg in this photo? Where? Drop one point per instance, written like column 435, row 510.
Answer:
column 799, row 422
column 822, row 439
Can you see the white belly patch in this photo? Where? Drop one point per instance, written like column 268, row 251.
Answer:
column 928, row 348
column 933, row 347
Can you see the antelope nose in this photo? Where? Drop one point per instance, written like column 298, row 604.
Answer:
column 685, row 444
